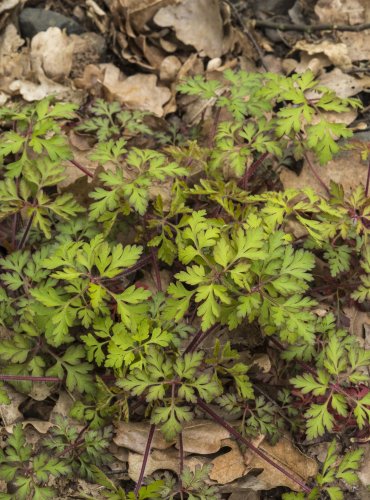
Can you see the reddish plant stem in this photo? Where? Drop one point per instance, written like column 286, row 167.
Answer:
column 77, row 442
column 313, row 170
column 249, row 445
column 181, row 462
column 29, row 378
column 308, row 368
column 156, row 270
column 198, row 338
column 145, row 459
column 26, row 232
column 214, row 128
column 252, row 169
column 367, row 180
column 82, row 168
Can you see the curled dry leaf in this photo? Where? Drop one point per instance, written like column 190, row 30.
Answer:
column 203, row 437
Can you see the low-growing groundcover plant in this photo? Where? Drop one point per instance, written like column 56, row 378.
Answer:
column 228, row 259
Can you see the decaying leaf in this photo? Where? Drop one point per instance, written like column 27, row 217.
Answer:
column 345, row 169
column 286, row 455
column 134, row 435
column 340, row 11
column 197, row 23
column 229, row 466
column 139, row 91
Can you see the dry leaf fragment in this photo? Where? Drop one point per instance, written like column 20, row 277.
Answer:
column 336, row 52
column 203, row 437
column 345, row 169
column 54, row 49
column 134, row 436
column 197, row 23
column 344, row 85
column 340, row 11
column 287, row 456
column 229, row 466
column 139, row 91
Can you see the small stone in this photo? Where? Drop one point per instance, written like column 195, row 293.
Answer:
column 32, row 21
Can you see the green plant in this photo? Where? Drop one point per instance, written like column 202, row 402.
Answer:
column 148, row 291
column 334, row 471
column 29, row 472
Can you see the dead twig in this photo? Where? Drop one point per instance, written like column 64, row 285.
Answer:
column 309, row 28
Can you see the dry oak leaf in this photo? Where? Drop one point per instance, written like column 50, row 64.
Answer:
column 229, row 466
column 161, row 460
column 139, row 91
column 287, row 456
column 197, row 23
column 134, row 436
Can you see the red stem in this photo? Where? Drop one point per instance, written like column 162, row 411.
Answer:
column 245, row 441
column 156, row 270
column 30, row 378
column 26, row 232
column 82, row 168
column 252, row 169
column 145, row 459
column 199, row 337
column 313, row 170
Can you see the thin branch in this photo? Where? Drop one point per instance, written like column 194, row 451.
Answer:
column 181, row 464
column 249, row 445
column 157, row 274
column 26, row 232
column 313, row 170
column 198, row 338
column 29, row 378
column 145, row 459
column 252, row 169
column 309, row 28
column 249, row 35
column 82, row 168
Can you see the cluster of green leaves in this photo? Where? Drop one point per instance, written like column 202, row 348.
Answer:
column 299, row 120
column 110, row 121
column 335, row 470
column 31, row 154
column 77, row 303
column 340, row 364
